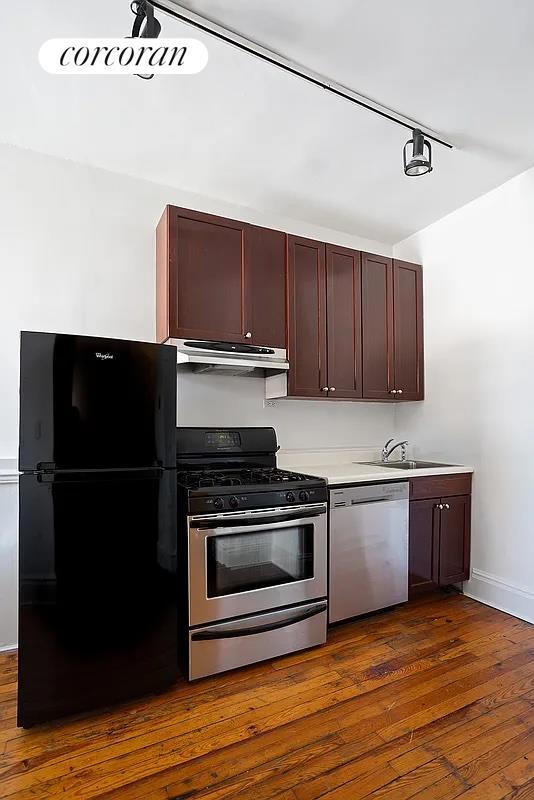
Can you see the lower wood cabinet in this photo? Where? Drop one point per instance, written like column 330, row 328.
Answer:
column 440, row 531
column 454, row 539
column 423, row 550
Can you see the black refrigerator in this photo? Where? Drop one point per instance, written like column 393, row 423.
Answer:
column 97, row 523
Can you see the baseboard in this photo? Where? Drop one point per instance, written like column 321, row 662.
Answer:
column 493, row 591
column 6, row 647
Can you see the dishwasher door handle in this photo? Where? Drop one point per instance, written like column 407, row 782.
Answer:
column 367, row 502
column 373, row 502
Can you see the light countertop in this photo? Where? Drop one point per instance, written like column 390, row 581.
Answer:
column 335, row 474
column 341, row 466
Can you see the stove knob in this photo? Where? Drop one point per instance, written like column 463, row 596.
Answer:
column 218, row 503
column 304, row 496
column 233, row 501
column 290, row 497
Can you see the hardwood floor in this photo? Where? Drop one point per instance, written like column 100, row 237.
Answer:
column 433, row 700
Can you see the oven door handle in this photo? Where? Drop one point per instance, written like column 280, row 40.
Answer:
column 231, row 522
column 225, row 632
column 244, row 527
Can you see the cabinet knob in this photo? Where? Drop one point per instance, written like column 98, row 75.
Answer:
column 324, row 389
column 399, row 391
column 440, row 506
column 332, row 389
column 447, row 506
column 393, row 391
column 248, row 335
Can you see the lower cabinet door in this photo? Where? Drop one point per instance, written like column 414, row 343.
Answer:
column 423, row 543
column 454, row 540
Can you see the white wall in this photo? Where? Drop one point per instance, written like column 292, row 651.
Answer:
column 300, row 424
column 479, row 407
column 77, row 255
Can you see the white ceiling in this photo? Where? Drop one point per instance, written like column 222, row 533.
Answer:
column 248, row 133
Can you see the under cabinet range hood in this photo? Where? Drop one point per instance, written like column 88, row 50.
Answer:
column 229, row 357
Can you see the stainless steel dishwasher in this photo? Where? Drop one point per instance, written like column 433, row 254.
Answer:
column 368, row 552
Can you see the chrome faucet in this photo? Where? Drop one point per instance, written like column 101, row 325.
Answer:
column 387, row 450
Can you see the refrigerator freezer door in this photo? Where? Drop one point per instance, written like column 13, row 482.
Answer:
column 88, row 403
column 97, row 603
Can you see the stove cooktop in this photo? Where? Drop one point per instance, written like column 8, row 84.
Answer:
column 221, row 470
column 248, row 479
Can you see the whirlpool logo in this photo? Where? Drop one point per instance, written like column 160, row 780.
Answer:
column 105, row 356
column 123, row 56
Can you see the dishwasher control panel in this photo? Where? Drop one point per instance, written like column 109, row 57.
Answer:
column 354, row 495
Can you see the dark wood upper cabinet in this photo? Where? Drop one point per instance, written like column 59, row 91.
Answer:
column 377, row 327
column 392, row 329
column 343, row 292
column 265, row 283
column 206, row 276
column 219, row 279
column 408, row 366
column 352, row 322
column 306, row 278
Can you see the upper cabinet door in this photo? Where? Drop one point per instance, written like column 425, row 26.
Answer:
column 265, row 279
column 307, row 318
column 343, row 291
column 377, row 327
column 408, row 330
column 206, row 276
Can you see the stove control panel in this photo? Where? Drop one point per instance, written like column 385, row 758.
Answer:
column 214, row 503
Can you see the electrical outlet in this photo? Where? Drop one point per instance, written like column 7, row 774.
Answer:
column 270, row 403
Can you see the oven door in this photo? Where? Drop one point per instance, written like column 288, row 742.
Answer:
column 245, row 562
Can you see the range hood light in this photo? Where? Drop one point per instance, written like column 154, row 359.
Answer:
column 420, row 163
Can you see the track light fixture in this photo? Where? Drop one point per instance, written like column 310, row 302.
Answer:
column 144, row 13
column 420, row 163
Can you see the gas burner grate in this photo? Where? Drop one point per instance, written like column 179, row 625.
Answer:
column 243, row 477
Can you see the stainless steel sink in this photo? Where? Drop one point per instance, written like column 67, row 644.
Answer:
column 404, row 464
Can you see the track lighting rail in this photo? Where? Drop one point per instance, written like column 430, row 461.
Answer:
column 206, row 25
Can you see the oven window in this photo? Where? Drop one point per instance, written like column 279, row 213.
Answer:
column 243, row 562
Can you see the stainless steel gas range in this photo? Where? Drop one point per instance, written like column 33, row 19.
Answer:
column 253, row 551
